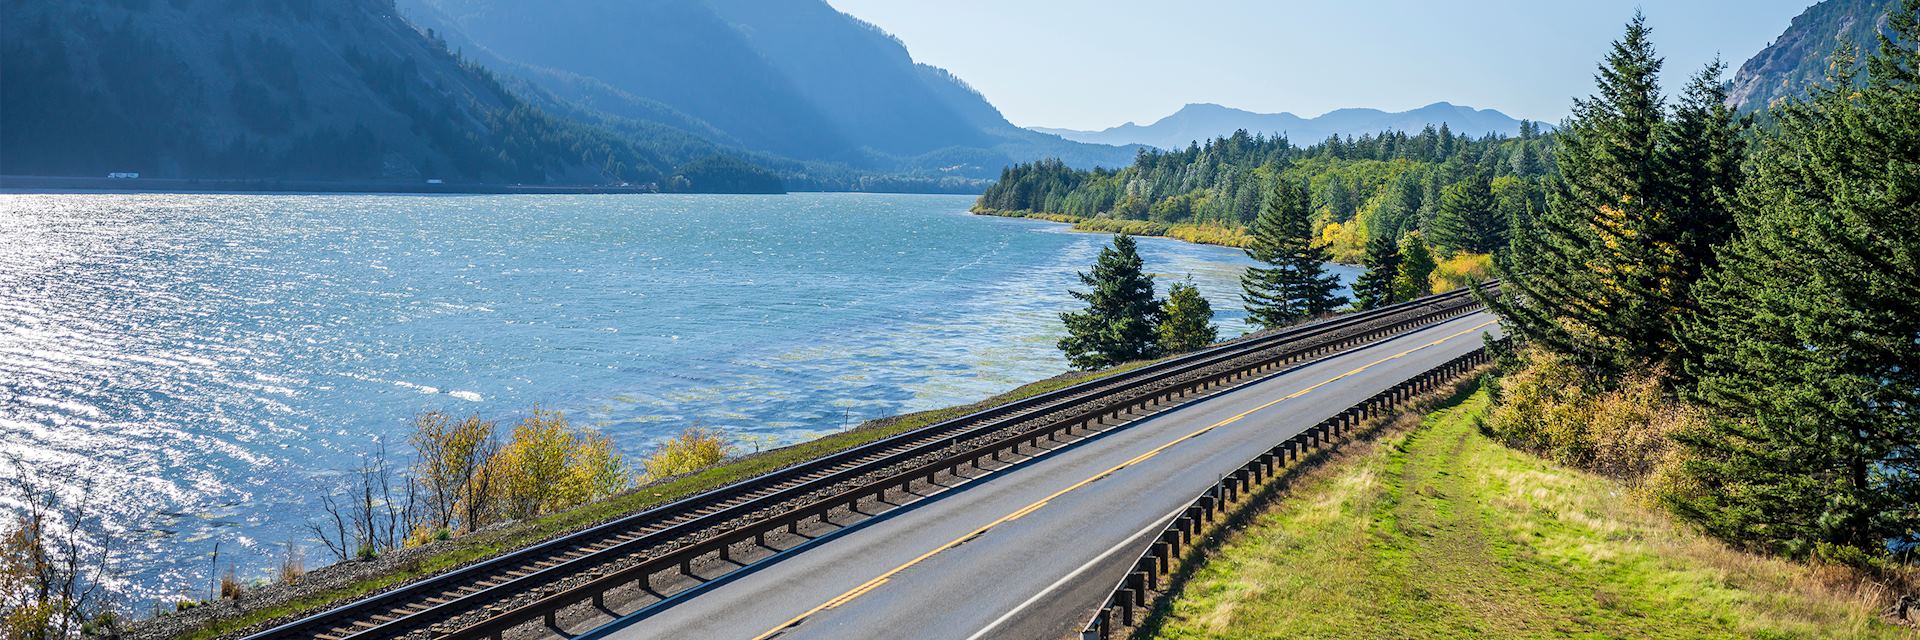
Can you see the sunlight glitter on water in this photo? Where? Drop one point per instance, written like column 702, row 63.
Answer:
column 210, row 362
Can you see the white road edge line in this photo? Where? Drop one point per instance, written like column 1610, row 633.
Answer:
column 1158, row 523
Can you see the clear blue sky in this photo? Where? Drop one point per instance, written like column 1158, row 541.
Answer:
column 1090, row 64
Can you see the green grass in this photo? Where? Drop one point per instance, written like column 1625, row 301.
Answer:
column 474, row 547
column 1443, row 533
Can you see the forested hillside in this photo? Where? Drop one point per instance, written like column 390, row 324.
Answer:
column 1385, row 185
column 340, row 90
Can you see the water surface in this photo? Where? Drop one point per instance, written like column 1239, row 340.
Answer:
column 212, row 362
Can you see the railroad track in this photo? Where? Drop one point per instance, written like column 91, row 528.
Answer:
column 484, row 599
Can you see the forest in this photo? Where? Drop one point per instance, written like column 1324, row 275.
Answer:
column 1721, row 311
column 1387, row 184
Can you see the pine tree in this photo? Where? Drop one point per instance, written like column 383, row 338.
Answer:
column 1580, row 284
column 1526, row 161
column 1809, row 324
column 1700, row 165
column 1186, row 320
column 1121, row 318
column 1374, row 289
column 1398, row 207
column 1469, row 219
column 1295, row 284
column 1416, row 268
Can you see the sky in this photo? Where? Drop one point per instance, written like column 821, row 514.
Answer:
column 1092, row 64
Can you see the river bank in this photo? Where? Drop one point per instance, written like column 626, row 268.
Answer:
column 1187, row 232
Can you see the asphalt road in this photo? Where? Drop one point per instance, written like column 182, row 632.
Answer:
column 1030, row 551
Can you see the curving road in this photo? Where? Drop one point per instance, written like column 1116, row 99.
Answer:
column 1029, row 552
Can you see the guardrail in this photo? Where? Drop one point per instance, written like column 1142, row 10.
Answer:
column 1158, row 560
column 670, row 537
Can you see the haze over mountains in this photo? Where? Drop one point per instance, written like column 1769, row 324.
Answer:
column 1200, row 122
column 688, row 95
column 794, row 78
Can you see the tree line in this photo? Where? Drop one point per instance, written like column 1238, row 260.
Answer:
column 1387, row 184
column 1730, row 313
column 1726, row 314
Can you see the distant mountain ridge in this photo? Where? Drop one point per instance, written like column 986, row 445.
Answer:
column 795, row 78
column 1203, row 121
column 1798, row 59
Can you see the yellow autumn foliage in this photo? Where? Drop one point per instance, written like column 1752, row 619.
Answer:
column 694, row 449
column 1454, row 271
column 547, row 465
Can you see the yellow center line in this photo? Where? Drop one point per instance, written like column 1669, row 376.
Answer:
column 876, row 582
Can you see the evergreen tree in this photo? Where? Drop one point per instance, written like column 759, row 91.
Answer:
column 1399, row 206
column 1374, row 289
column 1810, row 320
column 1430, row 188
column 1468, row 219
column 1526, row 161
column 1339, row 199
column 1294, row 285
column 1121, row 318
column 1416, row 269
column 1186, row 320
column 1699, row 162
column 1580, row 285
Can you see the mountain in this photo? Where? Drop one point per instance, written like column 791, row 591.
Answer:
column 1200, row 122
column 286, row 89
column 795, row 78
column 1797, row 60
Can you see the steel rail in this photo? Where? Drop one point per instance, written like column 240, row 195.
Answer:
column 538, row 568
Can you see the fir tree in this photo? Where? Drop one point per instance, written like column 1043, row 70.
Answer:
column 1121, row 318
column 1469, row 219
column 1374, row 289
column 1186, row 320
column 1526, row 161
column 1809, row 325
column 1294, row 285
column 1416, row 268
column 1580, row 285
column 1700, row 165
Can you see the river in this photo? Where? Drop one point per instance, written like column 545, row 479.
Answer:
column 209, row 362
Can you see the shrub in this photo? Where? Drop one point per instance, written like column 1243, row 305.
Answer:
column 1627, row 432
column 548, row 465
column 449, row 458
column 694, row 449
column 1454, row 272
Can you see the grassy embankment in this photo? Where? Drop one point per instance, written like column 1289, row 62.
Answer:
column 477, row 546
column 1440, row 532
